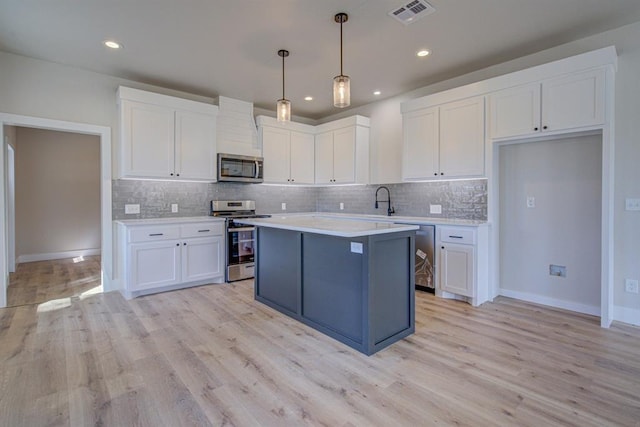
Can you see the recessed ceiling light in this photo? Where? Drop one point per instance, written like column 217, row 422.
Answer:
column 112, row 44
column 308, row 98
column 423, row 53
column 377, row 92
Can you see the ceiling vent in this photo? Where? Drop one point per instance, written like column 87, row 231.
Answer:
column 412, row 11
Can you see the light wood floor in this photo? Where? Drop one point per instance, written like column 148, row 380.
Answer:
column 41, row 281
column 213, row 356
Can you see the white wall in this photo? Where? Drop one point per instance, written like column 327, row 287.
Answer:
column 57, row 193
column 10, row 138
column 563, row 228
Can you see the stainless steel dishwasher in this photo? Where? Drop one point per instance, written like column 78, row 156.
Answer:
column 425, row 256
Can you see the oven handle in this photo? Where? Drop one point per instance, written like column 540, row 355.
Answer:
column 257, row 170
column 231, row 230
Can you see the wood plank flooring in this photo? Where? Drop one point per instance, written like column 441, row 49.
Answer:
column 213, row 356
column 41, row 281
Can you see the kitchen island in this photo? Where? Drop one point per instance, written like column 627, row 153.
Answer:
column 351, row 280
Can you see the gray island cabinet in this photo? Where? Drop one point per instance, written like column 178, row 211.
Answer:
column 351, row 280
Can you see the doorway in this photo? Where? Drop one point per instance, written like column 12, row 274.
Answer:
column 550, row 229
column 106, row 234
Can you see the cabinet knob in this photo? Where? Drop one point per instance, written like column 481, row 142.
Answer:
column 544, row 127
column 177, row 244
column 435, row 174
column 441, row 173
column 171, row 174
column 536, row 129
column 184, row 244
column 292, row 180
column 442, row 247
column 177, row 174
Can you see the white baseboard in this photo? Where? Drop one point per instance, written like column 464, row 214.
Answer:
column 626, row 315
column 552, row 302
column 57, row 255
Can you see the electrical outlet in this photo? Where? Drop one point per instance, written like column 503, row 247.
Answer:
column 632, row 204
column 131, row 209
column 531, row 202
column 174, row 207
column 558, row 270
column 284, row 206
column 341, row 206
column 631, row 286
column 435, row 209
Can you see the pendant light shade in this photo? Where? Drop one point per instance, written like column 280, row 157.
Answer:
column 283, row 106
column 341, row 83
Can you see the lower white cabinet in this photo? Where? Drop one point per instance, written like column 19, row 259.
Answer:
column 462, row 254
column 157, row 255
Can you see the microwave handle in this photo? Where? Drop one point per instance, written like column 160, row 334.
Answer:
column 257, row 170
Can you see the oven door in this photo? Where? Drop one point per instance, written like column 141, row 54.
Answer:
column 241, row 241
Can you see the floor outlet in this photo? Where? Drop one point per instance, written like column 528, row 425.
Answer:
column 631, row 286
column 284, row 206
column 174, row 207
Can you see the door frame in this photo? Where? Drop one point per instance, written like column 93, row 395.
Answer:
column 104, row 133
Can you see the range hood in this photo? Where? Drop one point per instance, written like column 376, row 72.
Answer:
column 236, row 128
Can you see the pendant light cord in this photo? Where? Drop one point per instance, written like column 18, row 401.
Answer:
column 283, row 77
column 341, row 47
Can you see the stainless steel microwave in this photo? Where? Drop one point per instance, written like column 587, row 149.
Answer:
column 235, row 168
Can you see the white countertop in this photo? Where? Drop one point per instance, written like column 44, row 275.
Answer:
column 166, row 221
column 419, row 220
column 341, row 227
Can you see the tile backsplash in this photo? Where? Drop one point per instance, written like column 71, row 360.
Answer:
column 464, row 199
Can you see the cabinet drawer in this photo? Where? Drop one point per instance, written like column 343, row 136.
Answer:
column 202, row 229
column 152, row 233
column 457, row 235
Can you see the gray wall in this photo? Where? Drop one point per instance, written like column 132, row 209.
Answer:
column 57, row 191
column 563, row 228
column 459, row 199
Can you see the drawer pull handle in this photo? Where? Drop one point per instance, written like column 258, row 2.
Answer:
column 156, row 234
column 456, row 237
column 204, row 231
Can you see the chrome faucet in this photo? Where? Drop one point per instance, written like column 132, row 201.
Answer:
column 390, row 209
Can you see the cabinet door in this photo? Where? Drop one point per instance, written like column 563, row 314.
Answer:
column 462, row 138
column 344, row 155
column 573, row 101
column 420, row 144
column 302, row 158
column 276, row 154
column 324, row 158
column 154, row 264
column 202, row 258
column 195, row 148
column 147, row 140
column 515, row 111
column 457, row 268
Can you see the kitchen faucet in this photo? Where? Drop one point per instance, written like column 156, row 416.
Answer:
column 390, row 209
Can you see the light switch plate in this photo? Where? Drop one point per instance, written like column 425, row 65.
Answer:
column 631, row 204
column 131, row 209
column 174, row 207
column 631, row 286
column 435, row 209
column 531, row 202
column 356, row 247
column 341, row 206
column 284, row 206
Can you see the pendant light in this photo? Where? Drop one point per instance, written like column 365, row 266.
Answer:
column 283, row 107
column 341, row 83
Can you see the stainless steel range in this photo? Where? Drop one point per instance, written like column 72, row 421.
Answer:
column 241, row 238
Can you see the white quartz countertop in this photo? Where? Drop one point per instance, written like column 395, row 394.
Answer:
column 169, row 221
column 340, row 227
column 419, row 220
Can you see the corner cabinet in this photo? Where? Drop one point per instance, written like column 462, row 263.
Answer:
column 462, row 254
column 444, row 141
column 288, row 151
column 560, row 104
column 342, row 151
column 160, row 256
column 164, row 137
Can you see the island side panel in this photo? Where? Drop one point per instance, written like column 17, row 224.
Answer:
column 391, row 289
column 278, row 277
column 332, row 286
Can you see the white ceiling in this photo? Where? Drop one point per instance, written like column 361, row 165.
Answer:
column 229, row 47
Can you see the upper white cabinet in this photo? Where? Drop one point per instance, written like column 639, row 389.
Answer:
column 444, row 141
column 288, row 151
column 554, row 105
column 166, row 137
column 331, row 153
column 342, row 151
